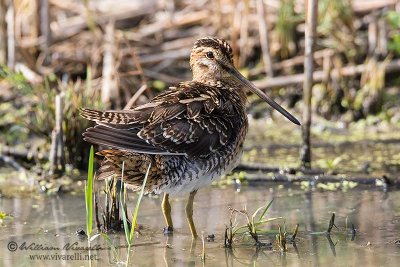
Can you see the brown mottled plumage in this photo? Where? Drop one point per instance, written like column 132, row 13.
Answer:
column 191, row 134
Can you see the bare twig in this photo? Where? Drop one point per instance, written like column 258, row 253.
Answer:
column 295, row 232
column 353, row 232
column 10, row 161
column 22, row 153
column 331, row 224
column 135, row 97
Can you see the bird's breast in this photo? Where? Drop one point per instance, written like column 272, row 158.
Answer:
column 188, row 174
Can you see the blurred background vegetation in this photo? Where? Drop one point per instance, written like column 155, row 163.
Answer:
column 115, row 54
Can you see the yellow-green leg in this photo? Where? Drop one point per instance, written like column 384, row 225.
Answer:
column 166, row 209
column 189, row 213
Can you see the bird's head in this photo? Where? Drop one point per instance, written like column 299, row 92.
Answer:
column 211, row 60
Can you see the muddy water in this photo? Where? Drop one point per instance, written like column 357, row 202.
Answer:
column 52, row 222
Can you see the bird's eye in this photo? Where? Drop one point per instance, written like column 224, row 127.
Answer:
column 210, row 55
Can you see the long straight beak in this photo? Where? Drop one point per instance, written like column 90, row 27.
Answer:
column 235, row 73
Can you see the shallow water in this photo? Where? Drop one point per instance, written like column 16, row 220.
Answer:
column 53, row 221
column 355, row 150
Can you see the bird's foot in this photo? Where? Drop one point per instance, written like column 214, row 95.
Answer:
column 168, row 230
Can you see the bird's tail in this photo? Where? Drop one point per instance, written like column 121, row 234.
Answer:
column 134, row 171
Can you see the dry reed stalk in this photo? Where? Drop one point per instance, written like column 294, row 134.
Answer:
column 157, row 57
column 10, row 20
column 74, row 7
column 244, row 33
column 3, row 33
column 235, row 32
column 310, row 35
column 263, row 31
column 372, row 35
column 327, row 66
column 383, row 37
column 109, row 87
column 45, row 29
column 103, row 12
column 292, row 62
column 363, row 7
column 318, row 76
column 57, row 156
column 180, row 19
column 59, row 129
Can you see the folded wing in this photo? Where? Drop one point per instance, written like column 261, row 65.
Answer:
column 192, row 120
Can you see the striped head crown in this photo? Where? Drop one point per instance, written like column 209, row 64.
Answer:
column 217, row 44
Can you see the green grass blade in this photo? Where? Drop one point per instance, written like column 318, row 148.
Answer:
column 89, row 194
column 125, row 222
column 265, row 210
column 135, row 214
column 122, row 204
column 88, row 79
column 110, row 245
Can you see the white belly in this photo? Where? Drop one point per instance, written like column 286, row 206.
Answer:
column 200, row 178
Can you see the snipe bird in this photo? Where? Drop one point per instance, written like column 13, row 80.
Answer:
column 191, row 134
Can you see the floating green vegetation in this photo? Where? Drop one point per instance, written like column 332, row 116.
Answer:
column 330, row 186
column 330, row 164
column 4, row 217
column 159, row 85
column 233, row 178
